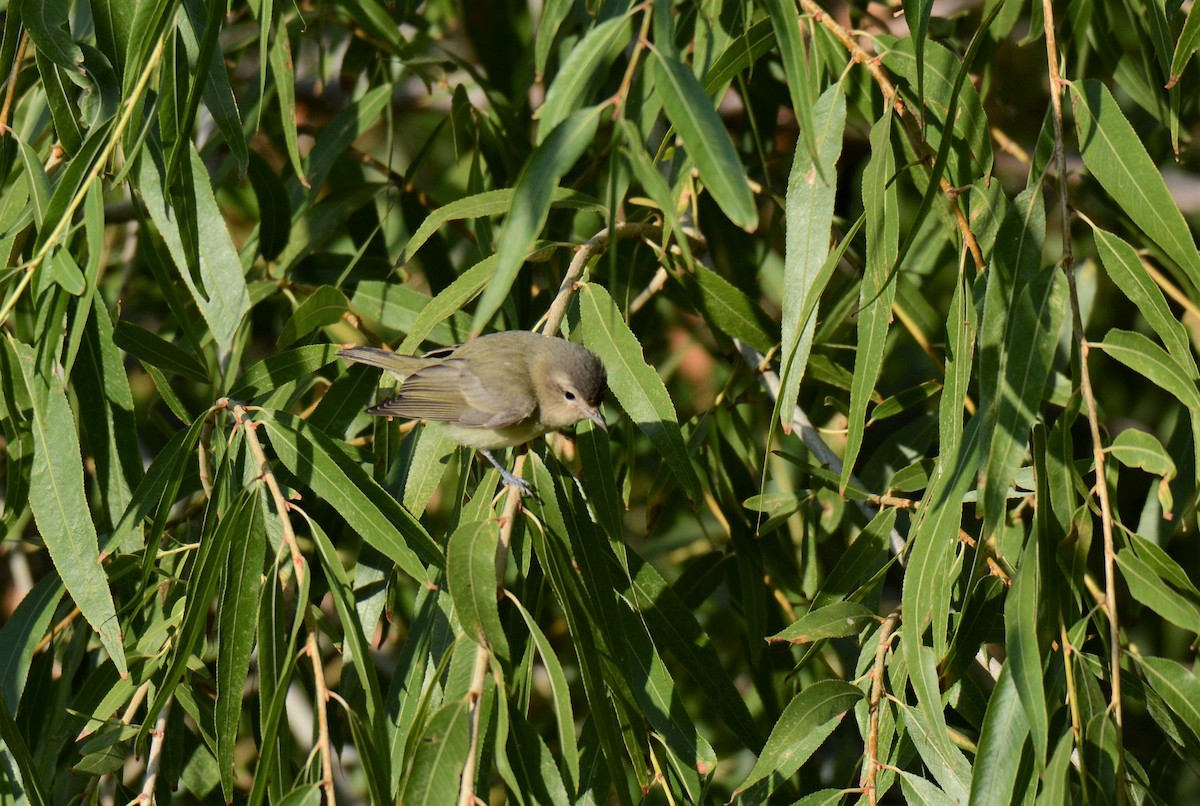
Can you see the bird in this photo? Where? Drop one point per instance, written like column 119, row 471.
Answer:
column 497, row 391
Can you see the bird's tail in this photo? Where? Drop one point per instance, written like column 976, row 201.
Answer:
column 399, row 365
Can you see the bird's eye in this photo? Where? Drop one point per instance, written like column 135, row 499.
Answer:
column 569, row 395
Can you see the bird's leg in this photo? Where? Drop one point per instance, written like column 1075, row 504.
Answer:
column 508, row 478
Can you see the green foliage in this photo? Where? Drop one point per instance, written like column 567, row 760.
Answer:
column 898, row 495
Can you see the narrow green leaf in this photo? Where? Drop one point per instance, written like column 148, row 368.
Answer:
column 927, row 726
column 317, row 461
column 1022, row 316
column 160, row 483
column 426, row 465
column 1153, row 362
column 804, row 724
column 729, row 310
column 438, row 763
column 1185, row 46
column 646, row 171
column 1005, row 730
column 1163, row 565
column 961, row 326
column 1178, row 687
column 1056, row 783
column 1126, row 269
column 926, row 593
column 276, row 370
column 60, row 508
column 1114, row 154
column 398, row 307
column 659, row 698
column 675, row 629
column 280, row 52
column 1134, row 448
column 1149, row 589
column 860, row 562
column 471, row 576
column 222, row 295
column 243, row 514
column 449, row 301
column 236, row 622
column 824, row 797
column 1099, row 756
column 531, row 198
column 59, row 91
column 635, row 384
column 557, row 563
column 109, row 422
column 694, row 116
column 46, row 22
column 325, row 306
column 218, row 93
column 274, row 207
column 878, row 287
column 31, row 786
column 21, row 634
column 920, row 791
column 836, row 620
column 554, row 14
column 600, row 478
column 786, row 23
column 156, row 351
column 487, row 203
column 1021, row 607
column 536, row 773
column 739, row 53
column 904, row 400
column 809, row 219
column 112, row 19
column 578, row 75
column 561, row 695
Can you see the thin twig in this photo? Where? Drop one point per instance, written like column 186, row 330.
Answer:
column 596, row 245
column 322, row 698
column 656, row 284
column 1106, row 516
column 10, row 95
column 264, row 473
column 872, row 759
column 154, row 758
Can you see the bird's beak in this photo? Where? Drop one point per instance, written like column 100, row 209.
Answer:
column 596, row 417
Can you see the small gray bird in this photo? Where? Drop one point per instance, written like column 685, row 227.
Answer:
column 500, row 390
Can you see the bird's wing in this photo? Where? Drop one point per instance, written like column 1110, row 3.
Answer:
column 449, row 392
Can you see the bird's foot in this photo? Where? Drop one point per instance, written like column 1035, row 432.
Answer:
column 509, row 479
column 522, row 486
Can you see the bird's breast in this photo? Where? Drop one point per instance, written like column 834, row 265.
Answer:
column 496, row 438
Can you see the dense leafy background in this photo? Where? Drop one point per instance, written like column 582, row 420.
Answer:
column 845, row 539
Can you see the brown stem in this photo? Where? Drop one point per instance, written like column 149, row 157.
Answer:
column 595, row 245
column 872, row 760
column 6, row 110
column 241, row 415
column 322, row 698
